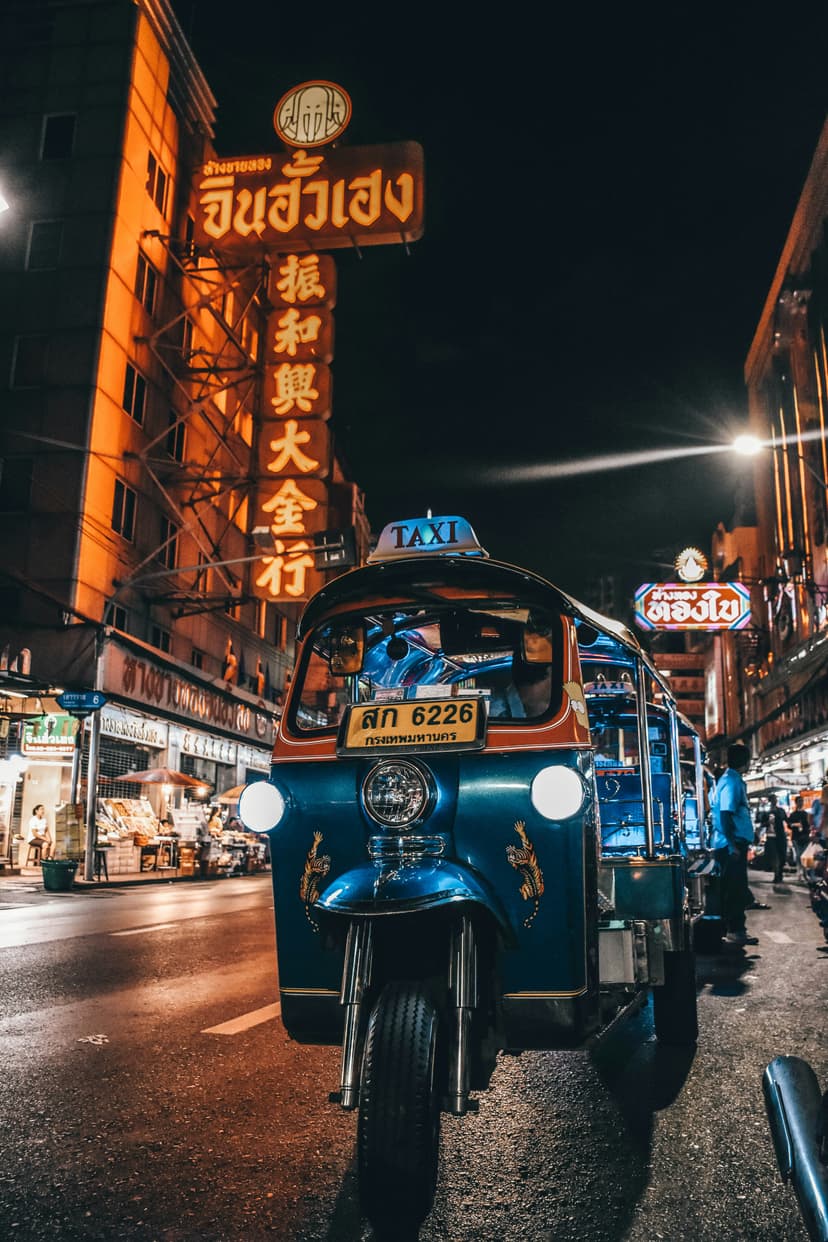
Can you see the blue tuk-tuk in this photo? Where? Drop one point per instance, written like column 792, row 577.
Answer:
column 462, row 864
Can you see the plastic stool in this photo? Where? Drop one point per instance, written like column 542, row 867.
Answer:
column 36, row 848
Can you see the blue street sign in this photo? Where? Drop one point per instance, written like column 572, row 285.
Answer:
column 81, row 700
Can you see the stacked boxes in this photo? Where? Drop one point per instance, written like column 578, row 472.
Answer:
column 70, row 830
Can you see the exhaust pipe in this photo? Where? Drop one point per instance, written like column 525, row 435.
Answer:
column 798, row 1116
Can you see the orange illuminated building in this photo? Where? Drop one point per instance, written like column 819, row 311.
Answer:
column 132, row 383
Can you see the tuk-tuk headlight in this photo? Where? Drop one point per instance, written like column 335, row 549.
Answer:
column 261, row 806
column 397, row 793
column 557, row 792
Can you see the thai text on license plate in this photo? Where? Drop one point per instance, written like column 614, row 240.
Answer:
column 442, row 724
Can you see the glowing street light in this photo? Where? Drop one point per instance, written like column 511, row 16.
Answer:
column 748, row 445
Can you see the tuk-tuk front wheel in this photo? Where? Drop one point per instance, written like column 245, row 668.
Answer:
column 399, row 1110
column 674, row 1002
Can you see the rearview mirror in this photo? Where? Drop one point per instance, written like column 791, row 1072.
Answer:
column 347, row 650
column 537, row 644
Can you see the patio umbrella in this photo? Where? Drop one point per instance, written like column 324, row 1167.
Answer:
column 160, row 776
column 230, row 795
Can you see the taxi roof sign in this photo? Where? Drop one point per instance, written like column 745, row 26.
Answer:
column 425, row 536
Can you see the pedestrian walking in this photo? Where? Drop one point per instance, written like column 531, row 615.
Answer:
column 778, row 836
column 732, row 836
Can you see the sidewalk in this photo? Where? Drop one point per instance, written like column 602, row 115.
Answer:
column 30, row 879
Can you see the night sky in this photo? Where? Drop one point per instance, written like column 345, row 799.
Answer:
column 607, row 197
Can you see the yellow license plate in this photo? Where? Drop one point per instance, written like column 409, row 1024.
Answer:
column 440, row 724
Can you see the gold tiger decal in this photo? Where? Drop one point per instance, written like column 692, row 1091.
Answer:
column 525, row 861
column 316, row 869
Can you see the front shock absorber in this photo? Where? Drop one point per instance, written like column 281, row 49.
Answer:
column 463, row 987
column 356, row 978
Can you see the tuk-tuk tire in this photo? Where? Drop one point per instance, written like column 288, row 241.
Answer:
column 674, row 1002
column 399, row 1108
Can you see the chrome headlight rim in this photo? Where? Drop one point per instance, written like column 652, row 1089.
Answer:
column 425, row 780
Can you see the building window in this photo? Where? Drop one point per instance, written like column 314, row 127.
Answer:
column 135, row 393
column 189, row 234
column 16, row 484
column 160, row 638
column 58, row 136
column 203, row 576
column 146, row 284
column 45, row 237
column 156, row 183
column 261, row 618
column 168, row 552
column 249, row 339
column 243, row 425
column 123, row 510
column 197, row 658
column 29, row 361
column 117, row 617
column 175, row 437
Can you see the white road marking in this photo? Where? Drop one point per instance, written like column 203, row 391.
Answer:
column 235, row 1025
column 135, row 931
column 777, row 937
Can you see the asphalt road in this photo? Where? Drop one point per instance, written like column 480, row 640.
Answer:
column 149, row 1091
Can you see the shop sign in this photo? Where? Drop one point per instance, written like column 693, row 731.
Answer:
column 294, row 445
column 312, row 114
column 703, row 606
column 303, row 280
column 293, row 510
column 206, row 747
column 139, row 679
column 297, row 389
column 52, row 736
column 691, row 565
column 258, row 759
column 344, row 197
column 133, row 728
column 295, row 335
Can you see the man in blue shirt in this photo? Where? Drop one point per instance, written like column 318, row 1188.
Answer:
column 732, row 834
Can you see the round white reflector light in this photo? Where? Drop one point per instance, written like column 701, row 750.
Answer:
column 557, row 793
column 261, row 806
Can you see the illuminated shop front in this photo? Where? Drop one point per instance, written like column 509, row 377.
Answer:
column 157, row 715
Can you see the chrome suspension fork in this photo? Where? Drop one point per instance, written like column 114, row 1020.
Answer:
column 463, row 985
column 356, row 977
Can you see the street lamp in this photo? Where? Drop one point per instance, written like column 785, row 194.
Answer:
column 750, row 445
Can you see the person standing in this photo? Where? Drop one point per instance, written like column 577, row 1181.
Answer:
column 800, row 827
column 732, row 835
column 39, row 831
column 778, row 830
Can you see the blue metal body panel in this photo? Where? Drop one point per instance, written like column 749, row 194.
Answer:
column 529, row 873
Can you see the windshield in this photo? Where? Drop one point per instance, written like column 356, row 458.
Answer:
column 509, row 656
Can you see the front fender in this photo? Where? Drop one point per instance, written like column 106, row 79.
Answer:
column 381, row 888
